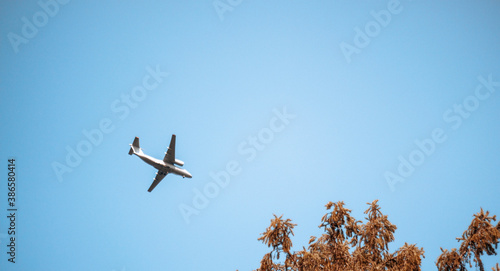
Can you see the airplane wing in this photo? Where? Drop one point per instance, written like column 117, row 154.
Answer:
column 170, row 154
column 159, row 176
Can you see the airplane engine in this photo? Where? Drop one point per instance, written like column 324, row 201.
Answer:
column 178, row 162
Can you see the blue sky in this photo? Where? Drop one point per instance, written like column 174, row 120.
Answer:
column 269, row 79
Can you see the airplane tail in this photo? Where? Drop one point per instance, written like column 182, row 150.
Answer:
column 134, row 147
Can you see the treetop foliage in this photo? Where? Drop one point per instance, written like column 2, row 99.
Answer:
column 348, row 244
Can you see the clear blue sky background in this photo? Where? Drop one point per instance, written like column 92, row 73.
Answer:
column 226, row 76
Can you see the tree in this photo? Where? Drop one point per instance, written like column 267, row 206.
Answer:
column 278, row 236
column 349, row 245
column 331, row 250
column 481, row 236
column 450, row 261
column 346, row 245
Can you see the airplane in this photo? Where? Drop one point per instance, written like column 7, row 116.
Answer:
column 164, row 167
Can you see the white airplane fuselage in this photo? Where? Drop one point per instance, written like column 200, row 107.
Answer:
column 163, row 166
